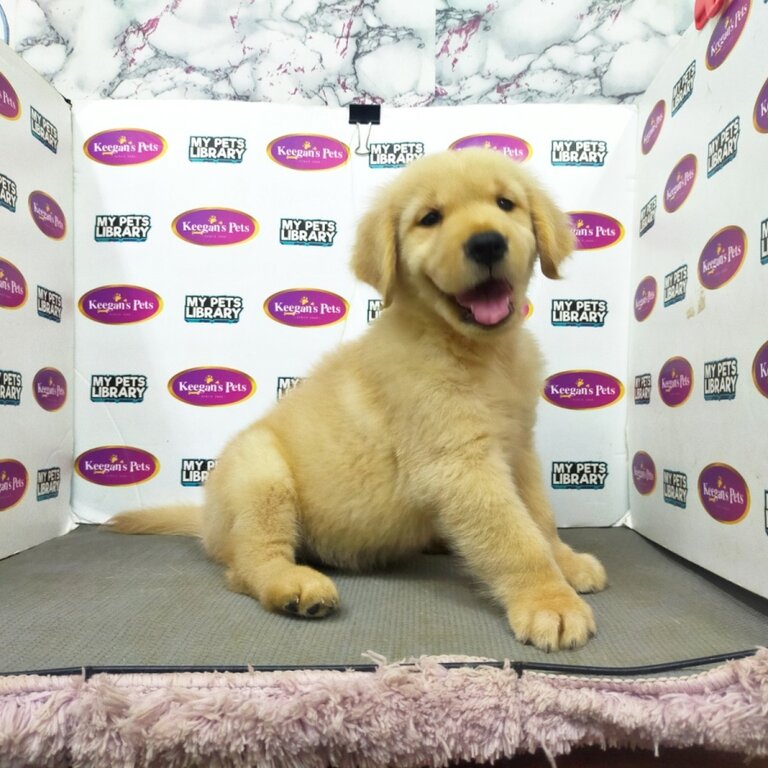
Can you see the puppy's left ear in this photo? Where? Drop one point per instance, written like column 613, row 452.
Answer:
column 374, row 256
column 554, row 240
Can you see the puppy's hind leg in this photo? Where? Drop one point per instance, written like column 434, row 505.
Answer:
column 253, row 529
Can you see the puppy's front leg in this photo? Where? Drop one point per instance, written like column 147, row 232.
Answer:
column 482, row 515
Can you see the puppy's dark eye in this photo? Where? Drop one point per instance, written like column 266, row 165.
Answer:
column 505, row 203
column 430, row 219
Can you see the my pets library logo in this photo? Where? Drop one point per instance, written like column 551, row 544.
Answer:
column 44, row 130
column 395, row 154
column 194, row 472
column 286, row 384
column 118, row 388
column 723, row 148
column 643, row 387
column 215, row 226
column 10, row 387
column 120, row 304
column 579, row 313
column 124, row 146
column 10, row 107
column 49, row 304
column 116, row 465
column 212, row 309
column 723, row 493
column 306, row 307
column 319, row 232
column 675, row 488
column 13, row 286
column 308, row 152
column 764, row 242
column 217, row 149
column 683, row 88
column 375, row 306
column 579, row 475
column 648, row 216
column 582, row 152
column 675, row 286
column 122, row 228
column 48, row 483
column 47, row 215
column 727, row 32
column 13, row 483
column 9, row 193
column 722, row 257
column 720, row 377
column 510, row 146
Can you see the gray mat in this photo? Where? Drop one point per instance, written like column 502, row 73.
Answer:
column 94, row 598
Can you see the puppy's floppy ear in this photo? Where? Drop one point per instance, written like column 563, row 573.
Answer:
column 554, row 240
column 374, row 256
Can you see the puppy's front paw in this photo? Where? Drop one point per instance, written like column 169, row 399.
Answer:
column 553, row 618
column 582, row 571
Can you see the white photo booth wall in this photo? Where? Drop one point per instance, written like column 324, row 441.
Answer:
column 210, row 243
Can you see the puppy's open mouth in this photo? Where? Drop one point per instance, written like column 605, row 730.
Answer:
column 488, row 304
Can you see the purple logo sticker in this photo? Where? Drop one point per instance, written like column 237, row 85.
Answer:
column 594, row 230
column 680, row 183
column 116, row 465
column 308, row 152
column 727, row 32
column 124, row 146
column 675, row 381
column 10, row 108
column 306, row 307
column 760, row 370
column 47, row 215
column 120, row 304
column 215, row 226
column 582, row 390
column 653, row 126
column 13, row 482
column 760, row 115
column 50, row 389
column 643, row 473
column 211, row 386
column 723, row 493
column 722, row 257
column 645, row 298
column 13, row 286
column 512, row 146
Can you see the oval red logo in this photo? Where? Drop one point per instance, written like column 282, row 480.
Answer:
column 211, row 386
column 120, row 304
column 50, row 389
column 306, row 307
column 215, row 226
column 582, row 390
column 10, row 107
column 115, row 465
column 13, row 483
column 723, row 493
column 513, row 147
column 124, row 146
column 593, row 231
column 13, row 286
column 308, row 152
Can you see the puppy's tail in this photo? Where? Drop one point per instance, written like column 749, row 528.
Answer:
column 180, row 520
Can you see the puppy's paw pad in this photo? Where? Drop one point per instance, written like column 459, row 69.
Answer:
column 584, row 572
column 300, row 591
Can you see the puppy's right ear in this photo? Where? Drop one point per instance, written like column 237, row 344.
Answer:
column 374, row 256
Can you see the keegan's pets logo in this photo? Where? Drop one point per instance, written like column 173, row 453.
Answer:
column 579, row 475
column 395, row 154
column 215, row 226
column 217, row 149
column 123, row 228
column 680, row 183
column 44, row 130
column 594, row 230
column 652, row 127
column 49, row 304
column 118, row 388
column 511, row 146
column 648, row 216
column 125, row 146
column 306, row 307
column 48, row 483
column 643, row 473
column 645, row 298
column 194, row 472
column 116, row 465
column 579, row 313
column 10, row 107
column 308, row 152
column 9, row 193
column 287, row 383
column 760, row 370
column 643, row 387
column 49, row 388
column 720, row 377
column 120, row 304
column 675, row 285
column 10, row 387
column 47, row 215
column 723, row 148
column 724, row 493
column 760, row 112
column 590, row 152
column 582, row 390
column 213, row 386
column 727, row 32
column 13, row 483
column 675, row 488
column 722, row 257
column 682, row 90
column 212, row 309
column 675, row 381
column 307, row 232
column 375, row 307
column 13, row 286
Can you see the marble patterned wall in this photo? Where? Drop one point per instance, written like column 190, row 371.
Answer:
column 398, row 52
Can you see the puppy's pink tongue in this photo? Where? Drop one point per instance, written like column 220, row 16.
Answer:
column 489, row 302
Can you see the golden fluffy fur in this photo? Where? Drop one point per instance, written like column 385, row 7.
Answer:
column 419, row 430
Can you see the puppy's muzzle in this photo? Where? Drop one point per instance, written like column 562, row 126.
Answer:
column 486, row 248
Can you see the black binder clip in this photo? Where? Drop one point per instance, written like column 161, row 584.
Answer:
column 369, row 114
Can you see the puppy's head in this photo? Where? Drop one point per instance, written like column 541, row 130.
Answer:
column 458, row 233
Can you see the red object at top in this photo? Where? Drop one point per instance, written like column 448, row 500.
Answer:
column 705, row 10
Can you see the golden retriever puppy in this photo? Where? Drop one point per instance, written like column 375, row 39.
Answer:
column 446, row 381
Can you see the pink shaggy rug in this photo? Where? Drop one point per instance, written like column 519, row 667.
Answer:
column 417, row 714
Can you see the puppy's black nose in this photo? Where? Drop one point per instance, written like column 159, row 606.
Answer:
column 486, row 248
